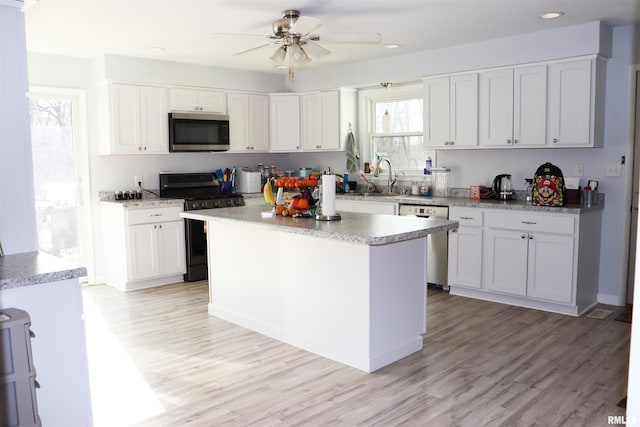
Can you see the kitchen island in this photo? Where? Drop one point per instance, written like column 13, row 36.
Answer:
column 352, row 290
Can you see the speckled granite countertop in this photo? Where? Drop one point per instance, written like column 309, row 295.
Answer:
column 148, row 200
column 33, row 268
column 359, row 228
column 467, row 202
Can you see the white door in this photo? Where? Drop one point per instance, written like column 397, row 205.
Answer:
column 154, row 113
column 530, row 105
column 550, row 267
column 464, row 110
column 505, row 266
column 259, row 122
column 436, row 111
column 465, row 257
column 496, row 108
column 62, row 196
column 569, row 112
column 143, row 251
column 171, row 247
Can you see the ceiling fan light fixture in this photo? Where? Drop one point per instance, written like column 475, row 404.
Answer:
column 298, row 56
column 279, row 56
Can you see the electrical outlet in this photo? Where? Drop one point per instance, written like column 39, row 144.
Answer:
column 137, row 181
column 578, row 170
column 613, row 169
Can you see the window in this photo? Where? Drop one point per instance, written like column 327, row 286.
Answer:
column 402, row 143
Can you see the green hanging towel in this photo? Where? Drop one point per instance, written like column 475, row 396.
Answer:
column 353, row 154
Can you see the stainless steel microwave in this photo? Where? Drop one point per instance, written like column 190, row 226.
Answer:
column 192, row 132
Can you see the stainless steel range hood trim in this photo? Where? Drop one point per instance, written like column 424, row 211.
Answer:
column 190, row 148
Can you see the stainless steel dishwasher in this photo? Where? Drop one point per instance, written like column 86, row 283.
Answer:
column 437, row 244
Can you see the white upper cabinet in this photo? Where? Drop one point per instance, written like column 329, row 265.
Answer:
column 134, row 119
column 320, row 114
column 451, row 111
column 576, row 97
column 544, row 105
column 210, row 101
column 248, row 122
column 317, row 121
column 284, row 122
column 512, row 109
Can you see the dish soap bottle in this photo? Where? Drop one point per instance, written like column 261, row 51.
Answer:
column 529, row 190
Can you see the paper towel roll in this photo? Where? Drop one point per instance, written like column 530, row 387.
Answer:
column 328, row 195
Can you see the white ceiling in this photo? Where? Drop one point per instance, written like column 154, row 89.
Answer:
column 187, row 29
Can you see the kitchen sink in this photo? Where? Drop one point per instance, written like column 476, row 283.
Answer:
column 383, row 194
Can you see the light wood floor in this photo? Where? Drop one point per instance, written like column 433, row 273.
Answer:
column 482, row 364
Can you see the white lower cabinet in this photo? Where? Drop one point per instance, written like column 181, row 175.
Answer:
column 542, row 260
column 144, row 247
column 465, row 248
column 366, row 206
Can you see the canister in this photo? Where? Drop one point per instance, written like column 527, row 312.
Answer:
column 440, row 181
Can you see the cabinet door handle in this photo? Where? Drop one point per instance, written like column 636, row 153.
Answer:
column 530, row 237
column 508, row 141
column 515, row 141
column 160, row 226
column 156, row 214
column 523, row 236
column 555, row 140
column 466, row 217
column 529, row 222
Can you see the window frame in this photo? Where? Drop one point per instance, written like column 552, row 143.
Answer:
column 367, row 97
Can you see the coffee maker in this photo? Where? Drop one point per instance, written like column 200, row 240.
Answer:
column 502, row 187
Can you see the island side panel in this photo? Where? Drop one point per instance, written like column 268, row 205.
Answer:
column 59, row 349
column 398, row 300
column 310, row 292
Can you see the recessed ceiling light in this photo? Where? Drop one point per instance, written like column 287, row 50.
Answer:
column 551, row 15
column 391, row 46
column 156, row 49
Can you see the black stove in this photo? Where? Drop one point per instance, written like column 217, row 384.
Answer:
column 200, row 191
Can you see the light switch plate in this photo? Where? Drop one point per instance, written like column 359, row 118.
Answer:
column 613, row 169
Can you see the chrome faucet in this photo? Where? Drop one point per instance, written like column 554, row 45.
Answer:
column 391, row 181
column 401, row 188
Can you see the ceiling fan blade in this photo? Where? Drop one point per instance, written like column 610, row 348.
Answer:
column 305, row 25
column 355, row 38
column 238, row 36
column 255, row 48
column 315, row 50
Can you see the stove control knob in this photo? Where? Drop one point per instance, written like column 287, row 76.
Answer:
column 228, row 203
column 216, row 204
column 236, row 202
column 195, row 205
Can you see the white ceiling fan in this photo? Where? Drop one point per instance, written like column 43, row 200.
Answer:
column 293, row 34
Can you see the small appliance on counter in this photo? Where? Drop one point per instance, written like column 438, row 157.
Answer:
column 502, row 187
column 248, row 181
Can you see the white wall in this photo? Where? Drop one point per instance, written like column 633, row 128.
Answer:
column 17, row 207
